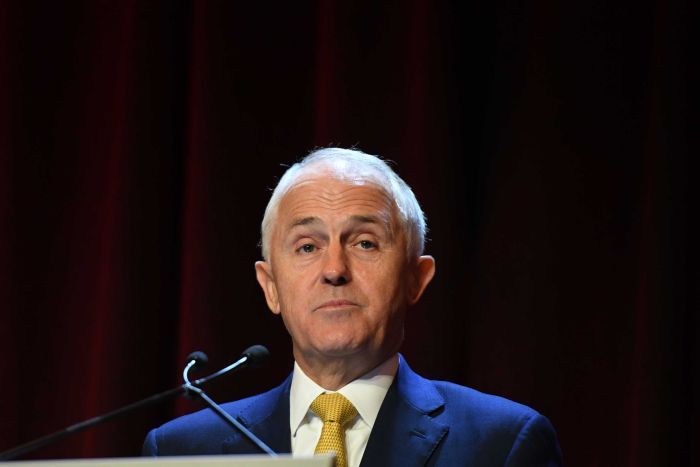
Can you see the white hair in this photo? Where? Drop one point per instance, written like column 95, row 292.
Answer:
column 351, row 165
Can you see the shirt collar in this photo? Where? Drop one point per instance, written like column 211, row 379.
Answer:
column 366, row 393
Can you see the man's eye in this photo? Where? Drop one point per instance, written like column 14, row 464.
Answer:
column 307, row 248
column 366, row 245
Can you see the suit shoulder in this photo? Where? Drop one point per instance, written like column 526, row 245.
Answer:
column 489, row 414
column 486, row 405
column 496, row 428
column 454, row 403
column 205, row 419
column 203, row 432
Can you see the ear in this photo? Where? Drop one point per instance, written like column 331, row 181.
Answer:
column 423, row 272
column 263, row 272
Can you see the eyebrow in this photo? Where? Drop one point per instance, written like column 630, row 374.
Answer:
column 355, row 218
column 367, row 219
column 305, row 221
column 375, row 220
column 354, row 221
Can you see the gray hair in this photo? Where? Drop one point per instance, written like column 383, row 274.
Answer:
column 351, row 165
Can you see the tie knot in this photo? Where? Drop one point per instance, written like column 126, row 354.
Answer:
column 334, row 408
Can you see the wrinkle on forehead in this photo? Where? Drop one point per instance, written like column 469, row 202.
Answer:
column 337, row 195
column 344, row 171
column 348, row 200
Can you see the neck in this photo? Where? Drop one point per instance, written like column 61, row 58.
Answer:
column 334, row 373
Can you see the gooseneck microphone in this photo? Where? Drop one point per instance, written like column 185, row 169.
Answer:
column 252, row 357
column 249, row 357
column 198, row 360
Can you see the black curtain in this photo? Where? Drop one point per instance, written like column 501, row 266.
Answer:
column 549, row 143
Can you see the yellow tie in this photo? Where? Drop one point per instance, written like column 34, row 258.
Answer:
column 335, row 411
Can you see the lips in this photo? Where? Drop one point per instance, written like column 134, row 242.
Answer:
column 336, row 304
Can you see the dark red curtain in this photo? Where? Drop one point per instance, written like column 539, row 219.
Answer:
column 549, row 143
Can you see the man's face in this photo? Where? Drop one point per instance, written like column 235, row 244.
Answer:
column 338, row 270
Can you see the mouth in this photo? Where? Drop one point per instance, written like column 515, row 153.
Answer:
column 333, row 304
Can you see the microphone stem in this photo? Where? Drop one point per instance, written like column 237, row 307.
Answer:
column 232, row 422
column 48, row 439
column 222, row 371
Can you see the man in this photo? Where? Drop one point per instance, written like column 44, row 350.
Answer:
column 342, row 241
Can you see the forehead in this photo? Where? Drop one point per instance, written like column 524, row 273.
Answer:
column 331, row 199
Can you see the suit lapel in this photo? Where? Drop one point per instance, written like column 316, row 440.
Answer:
column 267, row 416
column 405, row 433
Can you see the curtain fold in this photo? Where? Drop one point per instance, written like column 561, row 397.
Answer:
column 549, row 145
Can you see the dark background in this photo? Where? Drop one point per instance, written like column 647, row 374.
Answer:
column 549, row 143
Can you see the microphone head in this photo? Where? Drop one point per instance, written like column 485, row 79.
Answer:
column 200, row 359
column 257, row 355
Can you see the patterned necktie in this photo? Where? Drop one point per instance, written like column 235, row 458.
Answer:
column 335, row 411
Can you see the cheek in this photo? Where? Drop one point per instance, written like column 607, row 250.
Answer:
column 392, row 275
column 295, row 301
column 384, row 283
column 289, row 299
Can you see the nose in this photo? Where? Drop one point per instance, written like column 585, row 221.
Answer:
column 335, row 268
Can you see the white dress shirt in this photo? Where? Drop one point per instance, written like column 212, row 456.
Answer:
column 366, row 394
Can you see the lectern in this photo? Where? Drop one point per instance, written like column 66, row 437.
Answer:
column 186, row 461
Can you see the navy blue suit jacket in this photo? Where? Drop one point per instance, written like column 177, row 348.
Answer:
column 421, row 422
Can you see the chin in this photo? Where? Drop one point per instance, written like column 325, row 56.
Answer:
column 339, row 348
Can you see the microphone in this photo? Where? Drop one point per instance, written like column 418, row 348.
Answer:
column 195, row 360
column 253, row 357
column 257, row 355
column 200, row 360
